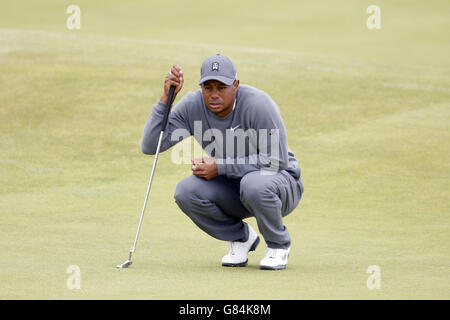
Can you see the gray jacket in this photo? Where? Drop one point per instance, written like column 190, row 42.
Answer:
column 252, row 137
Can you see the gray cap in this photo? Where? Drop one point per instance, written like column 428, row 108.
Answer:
column 218, row 68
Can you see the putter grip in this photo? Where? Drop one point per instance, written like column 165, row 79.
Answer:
column 169, row 106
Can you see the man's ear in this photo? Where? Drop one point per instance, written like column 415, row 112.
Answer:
column 236, row 84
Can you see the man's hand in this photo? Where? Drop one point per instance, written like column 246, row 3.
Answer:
column 173, row 78
column 205, row 168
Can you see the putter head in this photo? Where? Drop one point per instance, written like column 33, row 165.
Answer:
column 126, row 264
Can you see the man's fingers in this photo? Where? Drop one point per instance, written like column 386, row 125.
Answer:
column 198, row 167
column 196, row 160
column 170, row 82
column 174, row 77
column 176, row 72
column 173, row 80
column 199, row 170
column 176, row 69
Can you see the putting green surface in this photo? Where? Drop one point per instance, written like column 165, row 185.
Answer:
column 367, row 114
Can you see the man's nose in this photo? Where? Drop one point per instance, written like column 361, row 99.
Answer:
column 214, row 93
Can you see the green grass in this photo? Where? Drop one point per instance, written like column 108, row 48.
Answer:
column 367, row 114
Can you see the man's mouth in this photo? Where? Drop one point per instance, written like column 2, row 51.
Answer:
column 215, row 105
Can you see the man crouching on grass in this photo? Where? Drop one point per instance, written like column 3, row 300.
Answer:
column 250, row 171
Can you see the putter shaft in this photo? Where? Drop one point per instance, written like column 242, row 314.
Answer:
column 164, row 124
column 129, row 262
column 148, row 192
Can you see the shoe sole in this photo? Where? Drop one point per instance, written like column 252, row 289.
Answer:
column 272, row 268
column 243, row 264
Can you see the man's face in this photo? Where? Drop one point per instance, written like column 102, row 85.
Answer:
column 218, row 97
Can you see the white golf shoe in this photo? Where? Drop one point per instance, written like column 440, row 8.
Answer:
column 275, row 259
column 238, row 255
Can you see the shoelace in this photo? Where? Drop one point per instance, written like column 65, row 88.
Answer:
column 272, row 253
column 232, row 248
column 233, row 245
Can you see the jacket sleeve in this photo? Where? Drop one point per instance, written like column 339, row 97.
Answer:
column 177, row 127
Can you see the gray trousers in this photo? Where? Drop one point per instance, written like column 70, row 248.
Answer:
column 217, row 206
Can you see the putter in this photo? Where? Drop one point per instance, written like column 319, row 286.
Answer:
column 128, row 262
